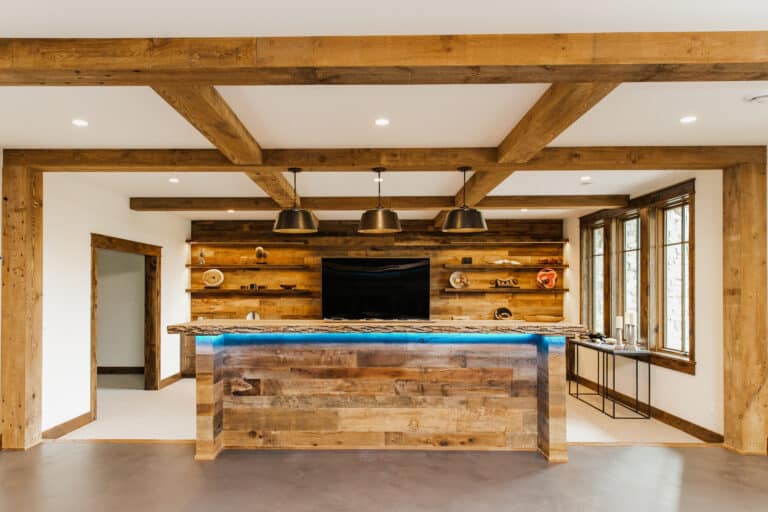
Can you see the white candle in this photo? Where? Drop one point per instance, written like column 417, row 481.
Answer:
column 631, row 317
column 620, row 321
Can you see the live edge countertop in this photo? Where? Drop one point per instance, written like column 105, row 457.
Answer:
column 214, row 327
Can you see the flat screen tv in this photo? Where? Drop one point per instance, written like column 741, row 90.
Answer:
column 375, row 288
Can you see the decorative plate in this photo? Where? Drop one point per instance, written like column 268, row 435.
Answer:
column 213, row 278
column 459, row 280
column 546, row 278
column 502, row 314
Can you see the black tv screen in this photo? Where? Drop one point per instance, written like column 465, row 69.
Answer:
column 385, row 288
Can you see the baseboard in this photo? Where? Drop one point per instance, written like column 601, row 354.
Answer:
column 120, row 370
column 170, row 380
column 744, row 452
column 68, row 426
column 670, row 419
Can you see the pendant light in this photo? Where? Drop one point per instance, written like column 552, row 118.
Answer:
column 464, row 219
column 379, row 220
column 295, row 220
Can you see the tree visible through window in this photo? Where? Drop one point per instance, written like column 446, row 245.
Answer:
column 631, row 263
column 676, row 278
column 598, row 304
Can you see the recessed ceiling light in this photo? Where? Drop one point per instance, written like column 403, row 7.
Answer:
column 382, row 121
column 688, row 119
column 230, row 211
column 523, row 210
column 586, row 180
column 758, row 98
column 173, row 180
column 80, row 123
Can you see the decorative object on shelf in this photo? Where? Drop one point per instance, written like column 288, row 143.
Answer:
column 379, row 220
column 464, row 219
column 506, row 262
column 261, row 255
column 253, row 286
column 502, row 314
column 550, row 261
column 619, row 331
column 630, row 321
column 201, row 258
column 287, row 286
column 243, row 287
column 261, row 287
column 458, row 280
column 466, row 260
column 542, row 318
column 460, row 317
column 252, row 315
column 546, row 278
column 295, row 220
column 213, row 278
column 510, row 282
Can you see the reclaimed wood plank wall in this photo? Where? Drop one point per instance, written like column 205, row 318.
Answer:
column 379, row 396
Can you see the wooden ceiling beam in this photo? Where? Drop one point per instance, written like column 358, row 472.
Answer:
column 557, row 109
column 626, row 158
column 206, row 110
column 171, row 204
column 431, row 59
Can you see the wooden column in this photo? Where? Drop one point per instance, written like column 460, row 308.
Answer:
column 22, row 315
column 210, row 399
column 745, row 350
column 551, row 385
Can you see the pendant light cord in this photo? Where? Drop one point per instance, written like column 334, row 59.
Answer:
column 464, row 188
column 378, row 182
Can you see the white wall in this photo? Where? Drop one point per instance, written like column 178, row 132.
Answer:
column 572, row 299
column 696, row 398
column 120, row 312
column 73, row 209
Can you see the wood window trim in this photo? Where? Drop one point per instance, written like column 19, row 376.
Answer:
column 647, row 208
column 587, row 298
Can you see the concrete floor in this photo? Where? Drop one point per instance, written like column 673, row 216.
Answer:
column 68, row 476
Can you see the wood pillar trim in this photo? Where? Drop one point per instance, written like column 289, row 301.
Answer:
column 745, row 351
column 22, row 315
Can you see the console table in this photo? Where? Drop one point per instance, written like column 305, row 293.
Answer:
column 606, row 388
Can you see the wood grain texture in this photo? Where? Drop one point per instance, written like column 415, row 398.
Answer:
column 152, row 312
column 367, row 396
column 22, row 312
column 557, row 109
column 744, row 300
column 394, row 159
column 551, row 413
column 68, row 426
column 432, row 59
column 206, row 110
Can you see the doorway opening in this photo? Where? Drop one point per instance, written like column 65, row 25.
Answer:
column 125, row 315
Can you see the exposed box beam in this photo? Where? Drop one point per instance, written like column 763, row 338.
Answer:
column 436, row 59
column 166, row 204
column 345, row 160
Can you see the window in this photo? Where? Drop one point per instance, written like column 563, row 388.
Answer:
column 598, row 279
column 630, row 264
column 675, row 290
column 639, row 260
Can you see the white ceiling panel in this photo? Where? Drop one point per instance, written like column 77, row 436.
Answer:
column 193, row 184
column 91, row 18
column 347, row 184
column 343, row 116
column 647, row 114
column 633, row 183
column 118, row 117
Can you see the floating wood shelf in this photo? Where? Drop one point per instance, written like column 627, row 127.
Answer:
column 219, row 292
column 255, row 243
column 491, row 267
column 254, row 266
column 506, row 290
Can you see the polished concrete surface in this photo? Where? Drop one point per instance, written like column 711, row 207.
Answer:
column 87, row 476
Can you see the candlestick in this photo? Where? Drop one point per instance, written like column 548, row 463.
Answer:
column 619, row 321
column 630, row 317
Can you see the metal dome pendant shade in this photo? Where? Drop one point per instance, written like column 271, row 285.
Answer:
column 379, row 220
column 464, row 219
column 295, row 220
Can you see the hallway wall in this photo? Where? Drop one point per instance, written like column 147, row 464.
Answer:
column 73, row 210
column 120, row 314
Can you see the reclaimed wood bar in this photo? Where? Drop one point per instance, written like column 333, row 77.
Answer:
column 431, row 385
